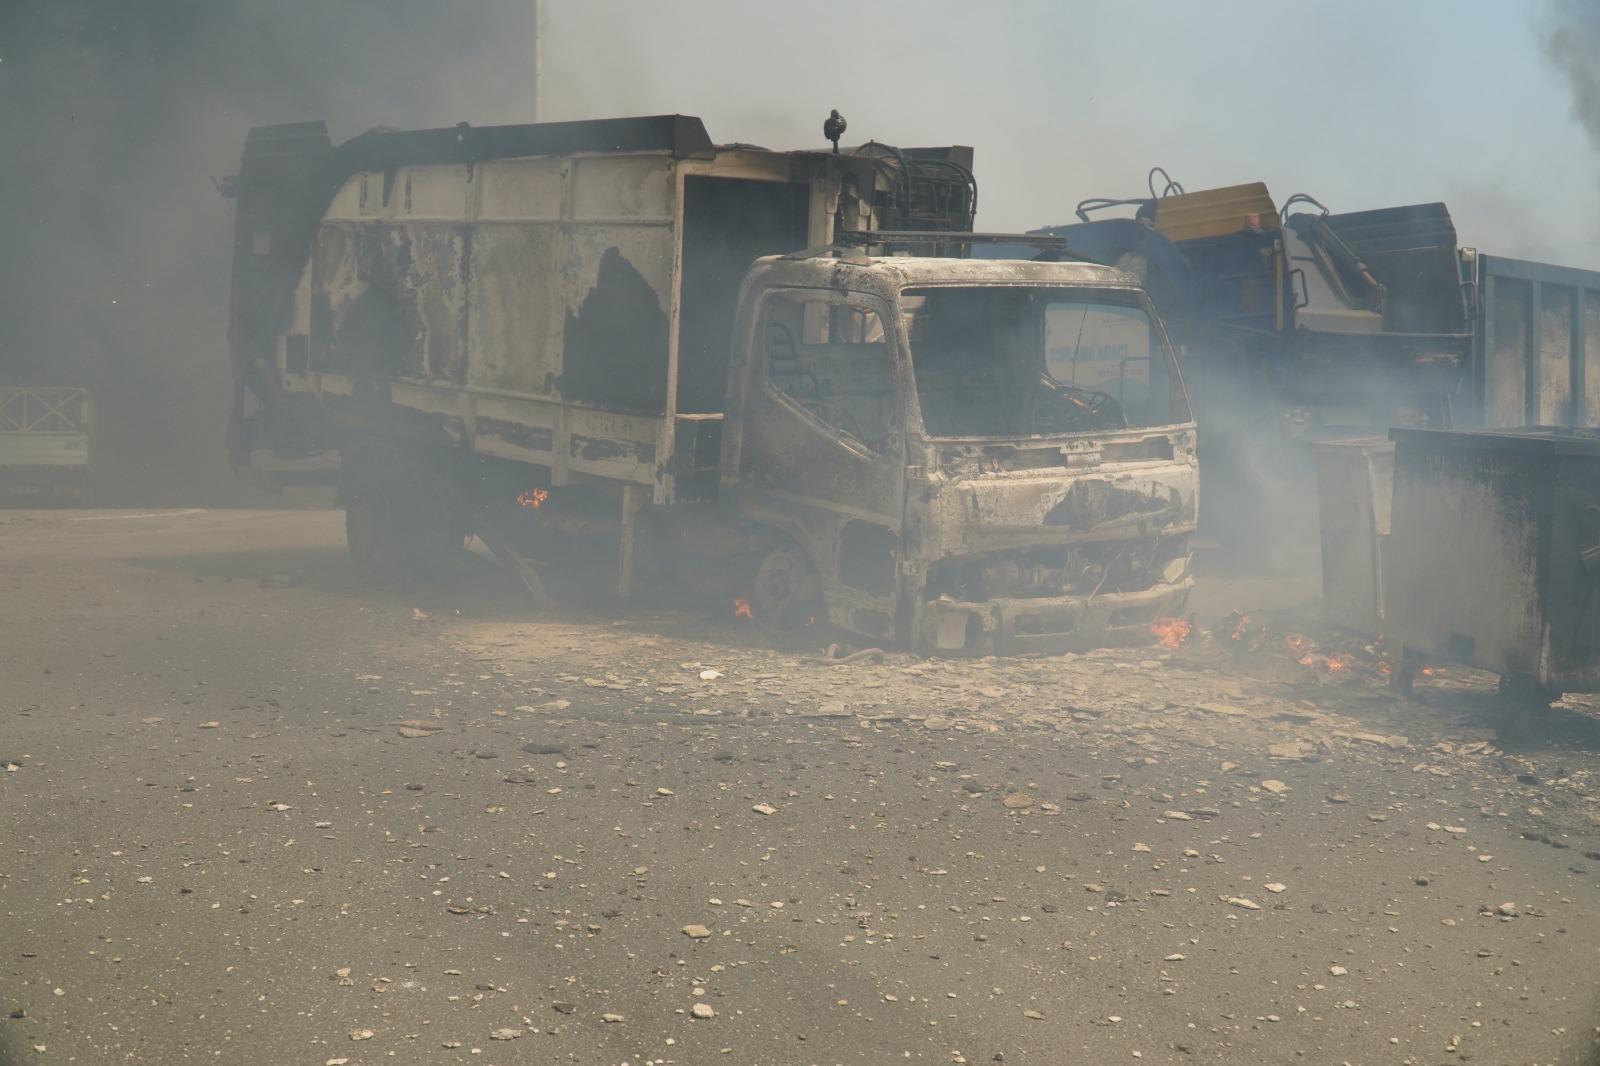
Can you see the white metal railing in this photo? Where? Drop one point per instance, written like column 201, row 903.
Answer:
column 44, row 409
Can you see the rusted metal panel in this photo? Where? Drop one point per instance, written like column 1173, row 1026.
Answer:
column 1538, row 346
column 1553, row 357
column 1506, row 353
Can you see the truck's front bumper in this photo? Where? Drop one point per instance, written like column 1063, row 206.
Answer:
column 1049, row 624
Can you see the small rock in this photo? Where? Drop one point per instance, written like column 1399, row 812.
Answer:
column 1274, row 887
column 1339, row 797
column 505, row 1034
column 1141, row 847
column 210, row 725
column 696, row 932
column 1177, row 816
column 1337, row 971
column 1033, row 1015
column 1509, row 910
column 562, row 1007
column 1377, row 817
column 1274, row 786
column 665, row 792
column 710, row 675
column 611, row 1018
column 1175, row 957
column 1016, row 801
column 702, row 1010
column 1245, row 904
column 362, row 1034
column 764, row 808
column 1485, row 858
column 936, row 722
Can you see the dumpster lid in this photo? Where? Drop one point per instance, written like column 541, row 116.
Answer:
column 1543, row 440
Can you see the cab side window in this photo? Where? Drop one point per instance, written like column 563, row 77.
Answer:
column 833, row 360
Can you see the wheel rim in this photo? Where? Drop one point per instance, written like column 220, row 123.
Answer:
column 785, row 591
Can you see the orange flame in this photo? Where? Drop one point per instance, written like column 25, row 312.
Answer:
column 1297, row 644
column 532, row 498
column 741, row 609
column 1171, row 632
column 1240, row 626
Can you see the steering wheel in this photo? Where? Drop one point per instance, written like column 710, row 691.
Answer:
column 1088, row 405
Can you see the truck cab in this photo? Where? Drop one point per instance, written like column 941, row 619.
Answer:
column 968, row 456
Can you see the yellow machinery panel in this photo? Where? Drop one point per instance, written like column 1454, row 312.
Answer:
column 1216, row 212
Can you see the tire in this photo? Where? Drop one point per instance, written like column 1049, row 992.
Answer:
column 784, row 592
column 1522, row 706
column 370, row 532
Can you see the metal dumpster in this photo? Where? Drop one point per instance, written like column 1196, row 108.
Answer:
column 1355, row 479
column 1494, row 557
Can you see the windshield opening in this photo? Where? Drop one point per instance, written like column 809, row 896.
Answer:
column 1009, row 362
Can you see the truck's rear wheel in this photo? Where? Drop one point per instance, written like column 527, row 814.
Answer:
column 398, row 517
column 369, row 534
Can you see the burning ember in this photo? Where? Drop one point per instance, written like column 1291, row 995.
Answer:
column 532, row 498
column 741, row 609
column 1241, row 625
column 1171, row 632
column 1332, row 663
column 1298, row 645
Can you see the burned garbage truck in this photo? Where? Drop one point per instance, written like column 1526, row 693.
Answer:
column 784, row 366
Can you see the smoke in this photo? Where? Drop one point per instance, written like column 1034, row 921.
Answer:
column 119, row 114
column 1570, row 37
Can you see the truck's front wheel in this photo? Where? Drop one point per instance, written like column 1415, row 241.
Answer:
column 785, row 594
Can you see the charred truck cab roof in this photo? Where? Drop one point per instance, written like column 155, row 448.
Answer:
column 1032, row 484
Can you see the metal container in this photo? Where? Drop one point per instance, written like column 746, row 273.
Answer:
column 1536, row 357
column 1355, row 480
column 1494, row 558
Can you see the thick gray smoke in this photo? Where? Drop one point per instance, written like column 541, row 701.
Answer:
column 1570, row 36
column 118, row 115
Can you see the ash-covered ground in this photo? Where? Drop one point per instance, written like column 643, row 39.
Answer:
column 257, row 811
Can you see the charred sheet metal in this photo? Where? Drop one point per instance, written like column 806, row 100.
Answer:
column 1495, row 552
